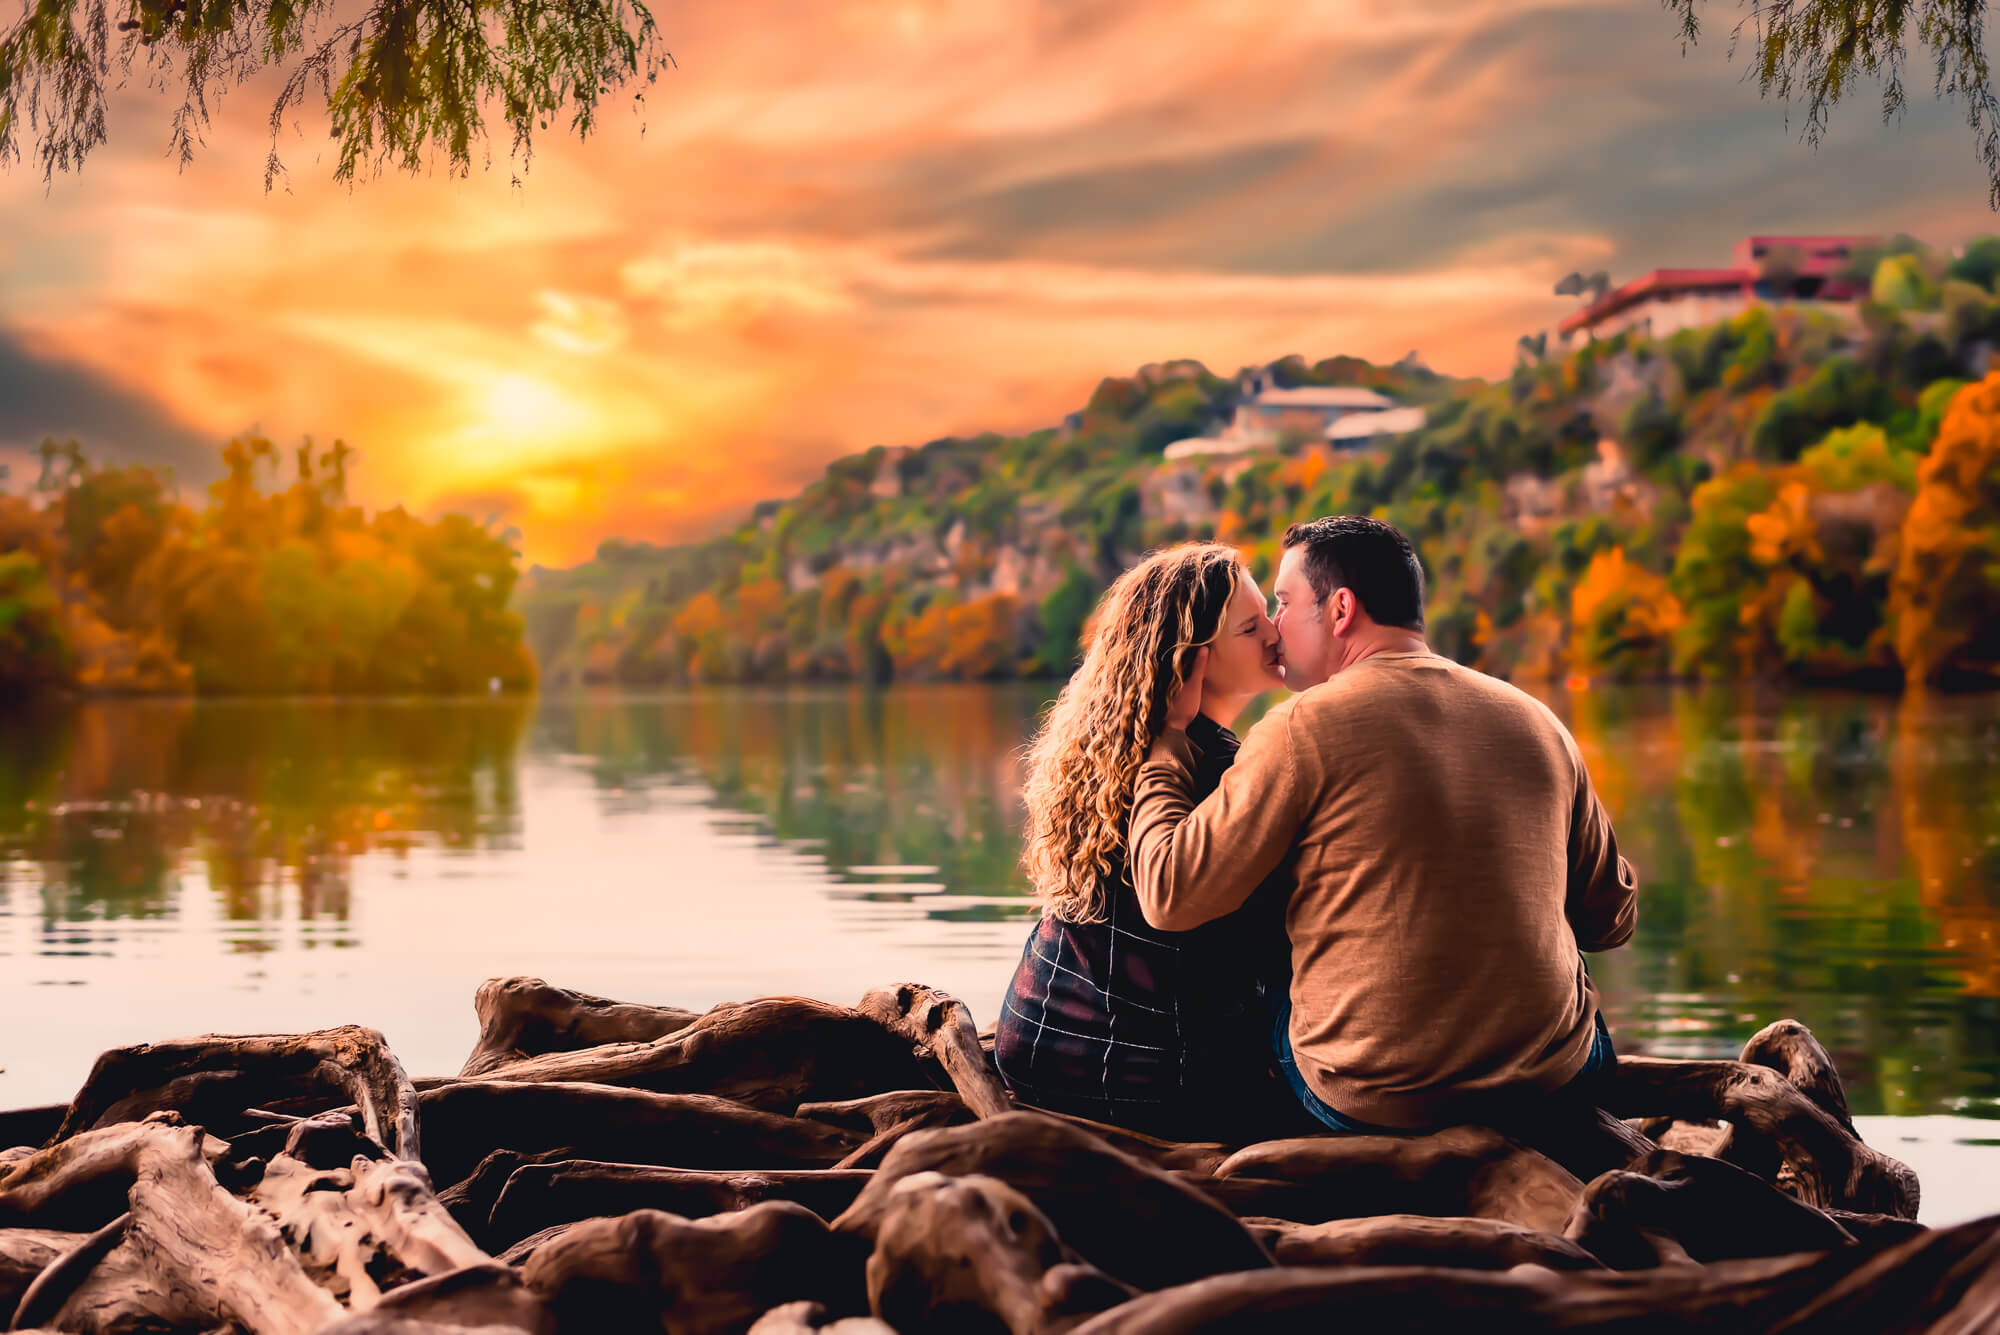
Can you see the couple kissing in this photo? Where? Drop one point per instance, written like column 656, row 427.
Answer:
column 1367, row 916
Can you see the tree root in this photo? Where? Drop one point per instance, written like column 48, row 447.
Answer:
column 645, row 1169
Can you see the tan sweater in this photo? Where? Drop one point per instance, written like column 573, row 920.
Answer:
column 1450, row 860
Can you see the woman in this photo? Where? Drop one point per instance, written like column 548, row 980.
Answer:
column 1107, row 1018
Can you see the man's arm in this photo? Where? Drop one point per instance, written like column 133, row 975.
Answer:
column 1603, row 901
column 1191, row 864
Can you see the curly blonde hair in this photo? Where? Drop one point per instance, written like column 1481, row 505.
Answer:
column 1083, row 763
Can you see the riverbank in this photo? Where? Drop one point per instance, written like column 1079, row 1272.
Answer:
column 785, row 1164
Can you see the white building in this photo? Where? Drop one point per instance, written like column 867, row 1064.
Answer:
column 1265, row 414
column 1356, row 430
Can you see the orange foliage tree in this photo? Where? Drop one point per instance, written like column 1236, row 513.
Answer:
column 1945, row 598
column 292, row 590
column 1622, row 619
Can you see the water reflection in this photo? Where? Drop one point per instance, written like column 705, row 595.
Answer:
column 105, row 806
column 1828, row 857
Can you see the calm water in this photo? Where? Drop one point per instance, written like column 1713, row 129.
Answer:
column 169, row 868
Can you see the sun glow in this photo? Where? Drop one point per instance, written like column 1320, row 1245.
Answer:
column 527, row 409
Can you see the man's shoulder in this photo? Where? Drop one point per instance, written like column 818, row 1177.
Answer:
column 1359, row 694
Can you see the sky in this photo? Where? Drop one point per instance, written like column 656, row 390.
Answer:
column 840, row 223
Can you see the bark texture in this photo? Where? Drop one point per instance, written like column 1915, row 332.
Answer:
column 785, row 1166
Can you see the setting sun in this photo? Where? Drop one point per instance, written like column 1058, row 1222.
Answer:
column 529, row 411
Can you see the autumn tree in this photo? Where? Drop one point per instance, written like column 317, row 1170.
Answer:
column 1945, row 598
column 1622, row 619
column 399, row 80
column 1813, row 51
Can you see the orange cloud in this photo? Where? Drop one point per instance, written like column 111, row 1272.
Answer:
column 852, row 223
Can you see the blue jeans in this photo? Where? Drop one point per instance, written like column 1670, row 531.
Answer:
column 1601, row 1059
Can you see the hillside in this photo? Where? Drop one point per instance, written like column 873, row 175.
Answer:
column 1798, row 492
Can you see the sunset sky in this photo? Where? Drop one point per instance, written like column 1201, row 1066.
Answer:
column 857, row 223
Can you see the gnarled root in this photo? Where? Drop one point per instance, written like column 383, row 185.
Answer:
column 1672, row 1207
column 1411, row 1239
column 539, row 1196
column 652, row 1271
column 972, row 1253
column 1824, row 1164
column 467, row 1121
column 189, row 1248
column 1090, row 1191
column 773, row 1054
column 1946, row 1280
column 24, row 1254
column 804, row 1318
column 525, row 1017
column 1464, row 1170
column 939, row 1024
column 366, row 1228
column 126, row 1084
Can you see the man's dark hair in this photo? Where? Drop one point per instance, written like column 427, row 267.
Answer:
column 1370, row 557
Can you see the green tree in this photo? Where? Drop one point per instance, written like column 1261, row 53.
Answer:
column 1063, row 614
column 400, row 79
column 1714, row 573
column 34, row 644
column 1980, row 264
column 1900, row 282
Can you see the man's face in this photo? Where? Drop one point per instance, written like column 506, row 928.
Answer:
column 1303, row 628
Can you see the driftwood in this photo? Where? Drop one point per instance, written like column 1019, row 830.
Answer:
column 1670, row 1206
column 967, row 1253
column 129, row 1083
column 1410, row 1239
column 470, row 1120
column 809, row 1318
column 1090, row 1191
column 525, row 1017
column 538, row 1196
column 1943, row 1282
column 788, row 1166
column 653, row 1271
column 1822, row 1162
column 773, row 1054
column 1465, row 1170
column 188, row 1247
column 940, row 1025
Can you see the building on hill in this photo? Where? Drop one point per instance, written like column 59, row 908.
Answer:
column 1792, row 270
column 1266, row 413
column 1359, row 430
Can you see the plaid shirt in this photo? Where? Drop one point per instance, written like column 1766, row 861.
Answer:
column 1120, row 1022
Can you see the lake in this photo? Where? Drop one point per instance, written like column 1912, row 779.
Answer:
column 178, row 867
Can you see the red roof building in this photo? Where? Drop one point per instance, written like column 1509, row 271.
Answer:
column 1777, row 269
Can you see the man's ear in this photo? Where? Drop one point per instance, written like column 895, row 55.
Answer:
column 1340, row 608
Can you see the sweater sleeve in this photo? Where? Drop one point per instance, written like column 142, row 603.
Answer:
column 1603, row 900
column 1193, row 863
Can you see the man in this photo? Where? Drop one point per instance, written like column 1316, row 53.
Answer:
column 1449, row 854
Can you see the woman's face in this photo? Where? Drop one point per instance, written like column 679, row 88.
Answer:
column 1245, row 658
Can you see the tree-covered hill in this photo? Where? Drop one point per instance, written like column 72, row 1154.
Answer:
column 1802, row 491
